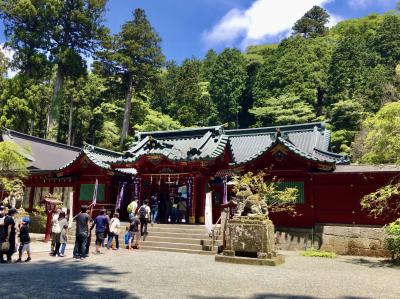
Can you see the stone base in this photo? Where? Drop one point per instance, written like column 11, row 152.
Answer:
column 274, row 261
column 342, row 239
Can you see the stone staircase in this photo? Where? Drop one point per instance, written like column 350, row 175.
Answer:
column 178, row 238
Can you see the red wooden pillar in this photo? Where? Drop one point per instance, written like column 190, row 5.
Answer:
column 192, row 211
column 201, row 197
column 48, row 226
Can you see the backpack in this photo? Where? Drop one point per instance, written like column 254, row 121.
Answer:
column 142, row 212
column 131, row 207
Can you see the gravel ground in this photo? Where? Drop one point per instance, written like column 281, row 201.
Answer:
column 152, row 274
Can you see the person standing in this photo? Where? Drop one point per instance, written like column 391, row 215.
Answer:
column 63, row 222
column 154, row 209
column 24, row 240
column 114, row 231
column 9, row 230
column 55, row 233
column 83, row 221
column 101, row 223
column 2, row 233
column 134, row 233
column 107, row 232
column 131, row 209
column 144, row 216
column 174, row 209
column 181, row 210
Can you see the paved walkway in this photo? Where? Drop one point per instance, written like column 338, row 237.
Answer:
column 152, row 274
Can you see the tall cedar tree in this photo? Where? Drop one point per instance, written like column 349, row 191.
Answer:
column 26, row 29
column 135, row 56
column 191, row 104
column 313, row 23
column 76, row 30
column 227, row 84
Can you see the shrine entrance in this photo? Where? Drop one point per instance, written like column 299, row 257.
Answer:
column 173, row 192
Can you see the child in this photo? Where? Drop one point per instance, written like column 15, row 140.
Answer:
column 63, row 222
column 24, row 239
column 127, row 237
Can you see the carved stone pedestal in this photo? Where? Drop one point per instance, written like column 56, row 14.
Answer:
column 250, row 240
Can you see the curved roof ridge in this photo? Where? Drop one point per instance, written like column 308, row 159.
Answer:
column 272, row 129
column 189, row 132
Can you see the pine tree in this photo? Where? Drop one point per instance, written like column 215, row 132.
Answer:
column 227, row 84
column 313, row 23
column 134, row 56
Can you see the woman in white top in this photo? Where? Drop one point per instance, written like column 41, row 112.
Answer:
column 114, row 231
column 55, row 233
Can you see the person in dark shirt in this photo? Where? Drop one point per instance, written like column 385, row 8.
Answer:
column 9, row 230
column 2, row 233
column 134, row 233
column 24, row 239
column 101, row 223
column 83, row 221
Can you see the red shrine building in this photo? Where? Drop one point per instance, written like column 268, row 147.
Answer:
column 200, row 160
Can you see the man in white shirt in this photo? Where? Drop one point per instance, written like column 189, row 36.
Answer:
column 144, row 216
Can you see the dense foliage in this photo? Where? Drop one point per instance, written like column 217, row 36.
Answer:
column 343, row 75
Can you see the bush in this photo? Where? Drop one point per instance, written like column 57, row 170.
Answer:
column 38, row 220
column 392, row 240
column 312, row 252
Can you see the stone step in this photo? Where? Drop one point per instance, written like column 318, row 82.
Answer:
column 173, row 240
column 172, row 245
column 156, row 248
column 177, row 230
column 178, row 235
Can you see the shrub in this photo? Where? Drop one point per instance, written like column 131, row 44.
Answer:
column 392, row 240
column 312, row 252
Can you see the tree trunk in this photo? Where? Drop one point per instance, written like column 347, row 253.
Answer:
column 71, row 104
column 127, row 112
column 320, row 99
column 54, row 110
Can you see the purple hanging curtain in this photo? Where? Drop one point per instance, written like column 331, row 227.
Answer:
column 120, row 196
column 189, row 184
column 136, row 188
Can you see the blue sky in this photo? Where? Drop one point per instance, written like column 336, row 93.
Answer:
column 190, row 27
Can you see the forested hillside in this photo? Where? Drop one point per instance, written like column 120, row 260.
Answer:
column 343, row 75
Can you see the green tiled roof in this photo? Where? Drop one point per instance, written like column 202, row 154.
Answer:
column 310, row 141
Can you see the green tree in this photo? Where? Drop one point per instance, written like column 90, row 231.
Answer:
column 75, row 31
column 13, row 165
column 135, row 56
column 227, row 84
column 207, row 65
column 387, row 40
column 26, row 29
column 382, row 143
column 297, row 66
column 313, row 23
column 191, row 103
column 3, row 64
column 283, row 110
column 345, row 120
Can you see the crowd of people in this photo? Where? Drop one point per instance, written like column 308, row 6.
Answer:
column 106, row 227
column 9, row 230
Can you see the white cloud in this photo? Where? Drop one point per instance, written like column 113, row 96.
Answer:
column 263, row 19
column 9, row 55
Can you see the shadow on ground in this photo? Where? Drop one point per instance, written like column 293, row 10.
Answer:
column 375, row 263
column 277, row 296
column 67, row 279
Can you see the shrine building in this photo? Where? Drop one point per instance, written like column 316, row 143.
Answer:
column 199, row 160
